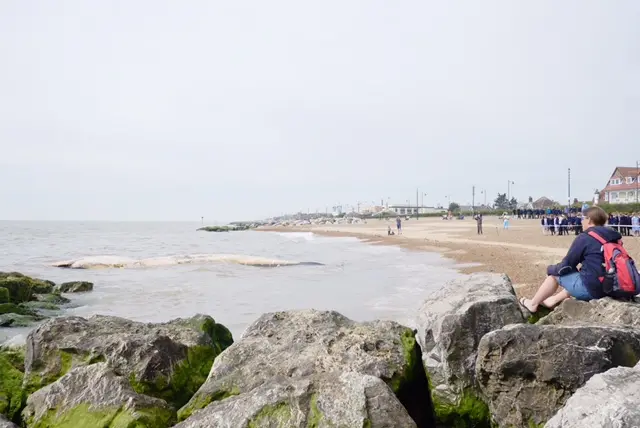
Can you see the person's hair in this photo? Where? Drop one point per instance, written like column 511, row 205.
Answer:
column 597, row 215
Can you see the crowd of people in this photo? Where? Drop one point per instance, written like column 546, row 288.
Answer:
column 571, row 223
column 625, row 224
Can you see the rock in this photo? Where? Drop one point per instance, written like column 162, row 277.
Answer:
column 4, row 295
column 55, row 298
column 12, row 315
column 6, row 423
column 527, row 372
column 75, row 287
column 322, row 400
column 12, row 308
column 21, row 288
column 600, row 312
column 607, row 400
column 42, row 286
column 11, row 374
column 169, row 360
column 94, row 396
column 302, row 343
column 35, row 304
column 16, row 320
column 451, row 323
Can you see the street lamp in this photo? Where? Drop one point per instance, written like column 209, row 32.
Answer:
column 509, row 183
column 484, row 192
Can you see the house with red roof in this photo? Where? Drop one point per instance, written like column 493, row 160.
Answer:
column 622, row 187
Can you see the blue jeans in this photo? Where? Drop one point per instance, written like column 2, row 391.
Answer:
column 574, row 285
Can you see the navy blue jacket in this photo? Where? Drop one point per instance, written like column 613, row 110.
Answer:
column 587, row 251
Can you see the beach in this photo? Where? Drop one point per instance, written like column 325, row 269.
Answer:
column 522, row 252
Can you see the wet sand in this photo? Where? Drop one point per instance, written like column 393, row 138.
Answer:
column 522, row 252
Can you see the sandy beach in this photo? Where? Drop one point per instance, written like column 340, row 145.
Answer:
column 522, row 252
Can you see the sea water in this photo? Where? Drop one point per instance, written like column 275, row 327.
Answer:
column 159, row 271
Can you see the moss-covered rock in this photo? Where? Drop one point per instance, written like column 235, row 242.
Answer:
column 75, row 287
column 94, row 396
column 21, row 287
column 12, row 308
column 169, row 360
column 331, row 399
column 12, row 397
column 55, row 298
column 12, row 315
column 300, row 343
column 4, row 295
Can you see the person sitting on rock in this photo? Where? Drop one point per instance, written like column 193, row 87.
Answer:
column 583, row 284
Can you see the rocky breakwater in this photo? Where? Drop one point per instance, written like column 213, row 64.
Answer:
column 289, row 369
column 489, row 367
column 108, row 371
column 25, row 300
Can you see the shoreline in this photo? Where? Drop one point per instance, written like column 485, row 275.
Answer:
column 523, row 252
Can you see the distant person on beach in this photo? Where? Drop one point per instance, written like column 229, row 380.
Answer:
column 399, row 225
column 635, row 224
column 389, row 231
column 479, row 222
column 505, row 222
column 591, row 281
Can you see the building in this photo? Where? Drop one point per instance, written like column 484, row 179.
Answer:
column 622, row 187
column 413, row 210
column 543, row 203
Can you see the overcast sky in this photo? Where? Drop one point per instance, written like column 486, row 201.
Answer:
column 166, row 110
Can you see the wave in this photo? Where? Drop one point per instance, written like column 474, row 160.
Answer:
column 110, row 262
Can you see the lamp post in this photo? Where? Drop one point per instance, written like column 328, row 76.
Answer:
column 509, row 183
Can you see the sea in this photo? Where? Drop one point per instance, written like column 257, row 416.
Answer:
column 155, row 272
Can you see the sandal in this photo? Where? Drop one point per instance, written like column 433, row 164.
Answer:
column 522, row 303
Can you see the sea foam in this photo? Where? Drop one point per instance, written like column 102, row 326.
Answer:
column 109, row 262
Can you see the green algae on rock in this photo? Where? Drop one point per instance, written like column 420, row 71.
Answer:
column 12, row 396
column 4, row 295
column 94, row 396
column 332, row 399
column 165, row 360
column 75, row 287
column 301, row 343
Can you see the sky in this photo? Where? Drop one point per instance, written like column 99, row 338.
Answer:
column 164, row 110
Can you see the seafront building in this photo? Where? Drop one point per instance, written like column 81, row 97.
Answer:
column 623, row 186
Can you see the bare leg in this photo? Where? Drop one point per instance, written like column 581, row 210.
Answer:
column 546, row 290
column 556, row 299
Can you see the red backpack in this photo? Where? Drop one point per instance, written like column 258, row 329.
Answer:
column 621, row 279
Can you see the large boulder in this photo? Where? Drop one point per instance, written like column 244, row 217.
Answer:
column 75, row 287
column 302, row 343
column 607, row 400
column 322, row 400
column 11, row 375
column 168, row 360
column 450, row 324
column 94, row 396
column 601, row 311
column 527, row 372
